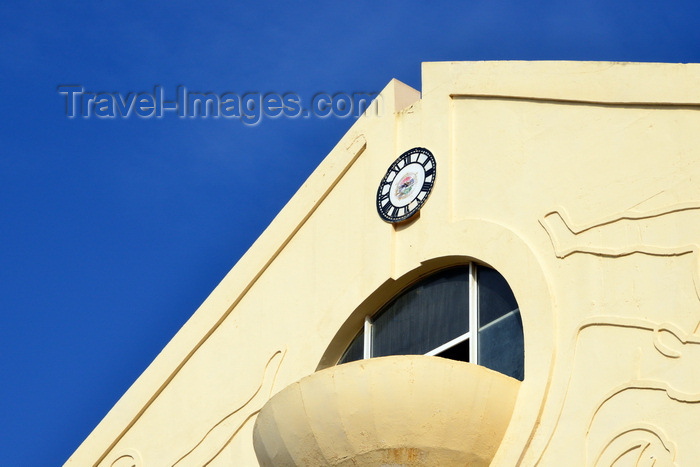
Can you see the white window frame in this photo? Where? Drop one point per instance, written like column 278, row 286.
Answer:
column 472, row 334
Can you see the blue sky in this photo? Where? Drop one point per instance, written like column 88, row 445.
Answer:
column 113, row 231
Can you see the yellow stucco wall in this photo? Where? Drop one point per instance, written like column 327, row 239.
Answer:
column 578, row 182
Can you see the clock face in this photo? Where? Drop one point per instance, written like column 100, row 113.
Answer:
column 406, row 185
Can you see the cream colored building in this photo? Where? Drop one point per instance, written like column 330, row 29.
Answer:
column 577, row 184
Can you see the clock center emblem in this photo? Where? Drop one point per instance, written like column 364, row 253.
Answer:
column 405, row 186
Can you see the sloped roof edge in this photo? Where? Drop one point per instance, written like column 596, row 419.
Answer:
column 233, row 287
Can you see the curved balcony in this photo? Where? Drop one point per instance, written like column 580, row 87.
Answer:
column 408, row 410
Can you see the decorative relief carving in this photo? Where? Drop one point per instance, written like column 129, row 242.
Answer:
column 651, row 366
column 640, row 446
column 666, row 352
column 630, row 232
column 221, row 434
column 658, row 380
column 628, row 425
column 127, row 458
column 624, row 233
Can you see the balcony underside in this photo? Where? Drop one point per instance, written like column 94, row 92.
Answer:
column 407, row 410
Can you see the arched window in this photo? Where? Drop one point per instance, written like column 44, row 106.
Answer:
column 465, row 313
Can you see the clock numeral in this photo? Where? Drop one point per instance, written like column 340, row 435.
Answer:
column 386, row 208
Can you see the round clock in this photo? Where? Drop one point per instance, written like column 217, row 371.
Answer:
column 406, row 185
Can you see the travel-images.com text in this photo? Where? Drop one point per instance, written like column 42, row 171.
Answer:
column 250, row 107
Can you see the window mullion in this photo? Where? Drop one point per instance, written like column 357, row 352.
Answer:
column 473, row 315
column 367, row 346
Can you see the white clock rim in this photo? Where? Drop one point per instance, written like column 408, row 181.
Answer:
column 419, row 170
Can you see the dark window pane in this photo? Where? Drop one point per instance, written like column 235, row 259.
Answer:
column 495, row 297
column 458, row 352
column 356, row 349
column 501, row 346
column 424, row 317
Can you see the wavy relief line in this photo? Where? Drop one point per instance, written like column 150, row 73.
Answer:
column 645, row 385
column 623, row 235
column 668, row 339
column 645, row 442
column 222, row 433
column 127, row 458
column 661, row 345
